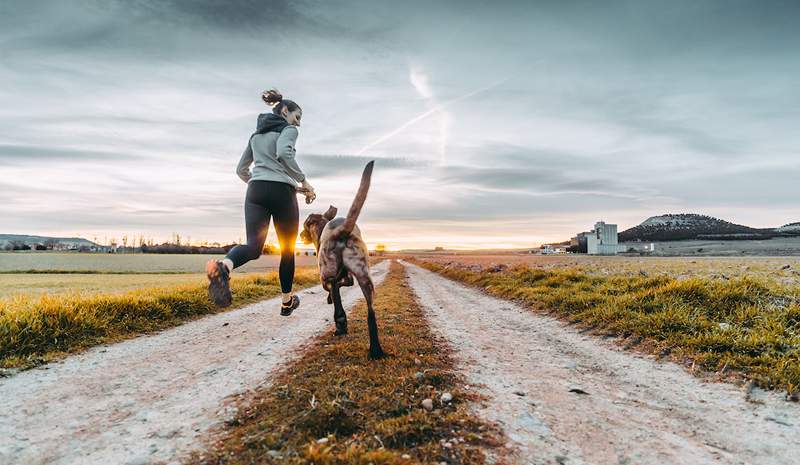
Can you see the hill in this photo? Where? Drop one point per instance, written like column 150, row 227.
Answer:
column 687, row 226
column 790, row 228
column 7, row 239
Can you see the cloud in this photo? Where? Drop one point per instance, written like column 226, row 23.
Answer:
column 33, row 154
column 126, row 111
column 330, row 166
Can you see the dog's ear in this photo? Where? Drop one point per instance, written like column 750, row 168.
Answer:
column 330, row 214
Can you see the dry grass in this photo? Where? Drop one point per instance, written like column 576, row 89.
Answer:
column 33, row 285
column 781, row 270
column 34, row 330
column 365, row 412
column 743, row 325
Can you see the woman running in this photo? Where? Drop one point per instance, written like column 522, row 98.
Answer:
column 271, row 188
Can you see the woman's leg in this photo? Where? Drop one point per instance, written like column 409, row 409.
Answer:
column 256, row 217
column 286, row 216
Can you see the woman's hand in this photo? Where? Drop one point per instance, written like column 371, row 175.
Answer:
column 307, row 190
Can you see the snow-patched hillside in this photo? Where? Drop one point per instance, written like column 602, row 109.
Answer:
column 789, row 228
column 684, row 226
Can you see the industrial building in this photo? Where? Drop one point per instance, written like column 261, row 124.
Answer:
column 602, row 240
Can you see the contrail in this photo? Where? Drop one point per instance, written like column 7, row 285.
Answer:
column 429, row 112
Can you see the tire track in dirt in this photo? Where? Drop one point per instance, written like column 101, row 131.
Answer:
column 151, row 398
column 636, row 410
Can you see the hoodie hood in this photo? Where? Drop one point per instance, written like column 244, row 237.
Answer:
column 270, row 122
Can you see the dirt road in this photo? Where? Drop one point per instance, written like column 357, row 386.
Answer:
column 151, row 398
column 566, row 398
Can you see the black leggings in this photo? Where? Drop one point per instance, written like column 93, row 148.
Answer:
column 278, row 199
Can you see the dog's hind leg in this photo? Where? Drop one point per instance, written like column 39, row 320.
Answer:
column 339, row 316
column 375, row 350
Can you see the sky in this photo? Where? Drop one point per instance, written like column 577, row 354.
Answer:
column 503, row 124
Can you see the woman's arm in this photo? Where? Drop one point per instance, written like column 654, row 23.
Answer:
column 286, row 151
column 243, row 168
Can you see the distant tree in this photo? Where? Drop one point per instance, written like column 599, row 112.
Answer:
column 380, row 249
column 269, row 249
column 50, row 244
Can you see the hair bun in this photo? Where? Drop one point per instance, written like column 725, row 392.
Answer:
column 271, row 97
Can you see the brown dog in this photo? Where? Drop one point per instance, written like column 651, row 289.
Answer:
column 343, row 255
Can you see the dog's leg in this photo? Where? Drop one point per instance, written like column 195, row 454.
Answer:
column 375, row 350
column 339, row 316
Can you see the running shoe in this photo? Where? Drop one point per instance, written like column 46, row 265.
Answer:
column 288, row 307
column 219, row 283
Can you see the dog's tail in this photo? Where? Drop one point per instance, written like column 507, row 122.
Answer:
column 358, row 202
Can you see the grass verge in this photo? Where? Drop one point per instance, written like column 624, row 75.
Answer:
column 334, row 406
column 738, row 327
column 54, row 271
column 35, row 330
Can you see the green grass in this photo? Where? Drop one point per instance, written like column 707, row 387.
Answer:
column 366, row 412
column 34, row 330
column 748, row 326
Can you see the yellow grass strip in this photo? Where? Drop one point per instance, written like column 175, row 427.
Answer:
column 335, row 406
column 34, row 330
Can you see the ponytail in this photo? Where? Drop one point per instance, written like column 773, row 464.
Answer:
column 274, row 99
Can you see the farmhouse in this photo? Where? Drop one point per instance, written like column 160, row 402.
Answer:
column 602, row 240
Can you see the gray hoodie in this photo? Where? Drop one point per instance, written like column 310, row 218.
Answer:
column 273, row 156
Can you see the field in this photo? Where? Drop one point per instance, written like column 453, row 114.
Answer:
column 781, row 270
column 738, row 316
column 127, row 263
column 60, row 273
column 55, row 303
column 775, row 247
column 476, row 370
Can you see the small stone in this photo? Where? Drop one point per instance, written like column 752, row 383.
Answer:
column 577, row 390
column 519, row 393
column 417, row 361
column 447, row 445
column 274, row 454
column 509, row 445
column 419, row 376
column 322, row 441
column 446, row 397
column 427, row 404
column 724, row 326
column 405, row 456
